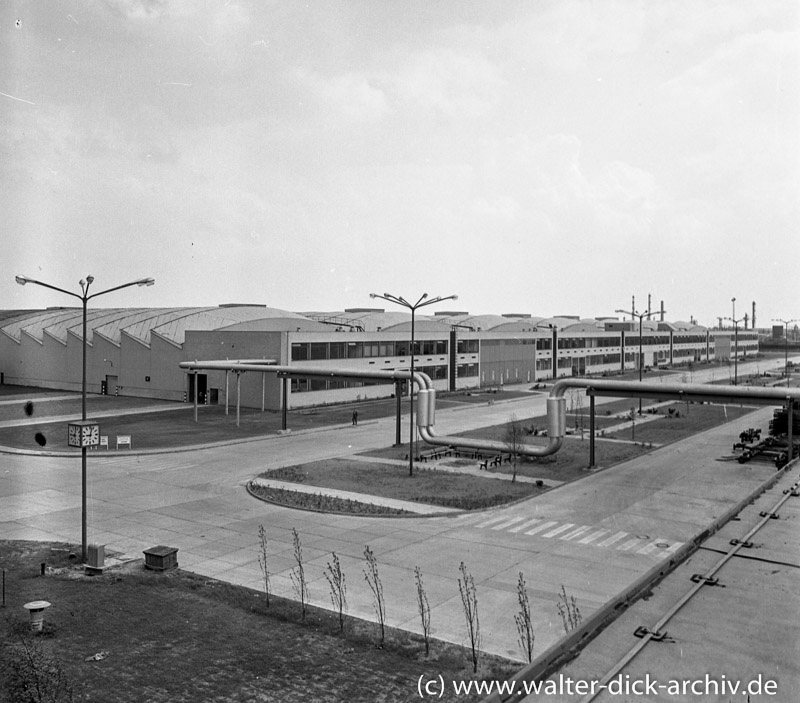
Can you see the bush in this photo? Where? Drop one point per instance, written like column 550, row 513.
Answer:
column 28, row 672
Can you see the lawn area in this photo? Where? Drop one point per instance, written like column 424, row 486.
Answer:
column 462, row 491
column 174, row 425
column 569, row 463
column 180, row 638
column 685, row 420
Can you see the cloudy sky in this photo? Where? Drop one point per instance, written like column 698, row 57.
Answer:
column 539, row 156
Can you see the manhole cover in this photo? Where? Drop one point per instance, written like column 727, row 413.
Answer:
column 662, row 545
column 642, row 536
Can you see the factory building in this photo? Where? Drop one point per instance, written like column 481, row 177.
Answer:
column 136, row 352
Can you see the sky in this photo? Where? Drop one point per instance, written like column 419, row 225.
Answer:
column 539, row 156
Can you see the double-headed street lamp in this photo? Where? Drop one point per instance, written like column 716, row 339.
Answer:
column 786, row 324
column 735, row 341
column 84, row 297
column 641, row 316
column 421, row 303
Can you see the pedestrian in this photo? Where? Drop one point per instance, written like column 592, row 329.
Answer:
column 355, row 417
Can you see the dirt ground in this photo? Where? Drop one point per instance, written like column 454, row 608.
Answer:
column 138, row 635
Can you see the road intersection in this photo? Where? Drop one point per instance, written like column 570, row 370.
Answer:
column 593, row 537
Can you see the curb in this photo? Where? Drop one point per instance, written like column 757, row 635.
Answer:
column 176, row 450
column 405, row 515
column 569, row 647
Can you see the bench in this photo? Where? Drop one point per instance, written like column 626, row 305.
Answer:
column 124, row 439
column 437, row 453
column 496, row 460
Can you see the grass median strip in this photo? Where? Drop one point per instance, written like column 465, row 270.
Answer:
column 428, row 486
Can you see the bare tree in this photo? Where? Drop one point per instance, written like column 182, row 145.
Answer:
column 469, row 600
column 513, row 439
column 568, row 610
column 298, row 574
column 336, row 582
column 372, row 578
column 523, row 620
column 424, row 610
column 262, row 559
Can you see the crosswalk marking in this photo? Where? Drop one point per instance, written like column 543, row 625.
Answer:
column 592, row 537
column 558, row 530
column 491, row 522
column 541, row 527
column 603, row 538
column 577, row 532
column 614, row 538
column 648, row 547
column 525, row 525
column 625, row 546
column 507, row 523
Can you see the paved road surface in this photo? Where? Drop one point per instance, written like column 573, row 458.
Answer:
column 593, row 537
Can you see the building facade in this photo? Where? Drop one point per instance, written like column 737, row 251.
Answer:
column 136, row 352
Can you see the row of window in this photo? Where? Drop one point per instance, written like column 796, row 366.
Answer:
column 602, row 359
column 304, row 385
column 588, row 342
column 689, row 338
column 312, row 351
column 436, row 373
column 676, row 353
column 649, row 341
column 320, row 351
column 509, row 342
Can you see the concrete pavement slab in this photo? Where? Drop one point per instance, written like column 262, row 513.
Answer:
column 611, row 500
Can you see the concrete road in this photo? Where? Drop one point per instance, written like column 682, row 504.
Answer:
column 593, row 537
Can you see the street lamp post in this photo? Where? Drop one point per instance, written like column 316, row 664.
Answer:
column 421, row 303
column 641, row 316
column 84, row 297
column 735, row 342
column 786, row 324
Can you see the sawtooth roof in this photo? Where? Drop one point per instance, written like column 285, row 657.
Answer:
column 171, row 324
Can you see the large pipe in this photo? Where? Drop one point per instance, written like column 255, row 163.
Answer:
column 679, row 391
column 552, row 447
column 556, row 407
column 556, row 403
column 556, row 428
column 265, row 366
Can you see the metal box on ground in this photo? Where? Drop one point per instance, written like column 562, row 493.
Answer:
column 95, row 558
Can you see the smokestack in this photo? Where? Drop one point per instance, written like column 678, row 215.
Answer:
column 662, row 311
column 633, row 306
column 648, row 304
column 754, row 314
column 719, row 323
